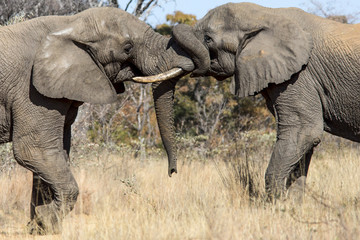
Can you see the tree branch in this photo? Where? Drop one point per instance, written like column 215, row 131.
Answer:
column 128, row 4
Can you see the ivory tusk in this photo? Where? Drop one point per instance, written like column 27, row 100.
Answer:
column 160, row 77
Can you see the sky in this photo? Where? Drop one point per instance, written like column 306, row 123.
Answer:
column 200, row 7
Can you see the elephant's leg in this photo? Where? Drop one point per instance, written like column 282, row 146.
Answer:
column 298, row 112
column 65, row 190
column 289, row 163
column 297, row 180
column 41, row 194
column 41, row 191
column 58, row 189
column 38, row 143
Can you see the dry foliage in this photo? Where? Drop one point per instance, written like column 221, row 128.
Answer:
column 126, row 198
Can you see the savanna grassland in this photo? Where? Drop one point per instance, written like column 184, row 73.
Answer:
column 122, row 197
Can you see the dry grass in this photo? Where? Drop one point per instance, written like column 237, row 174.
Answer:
column 126, row 198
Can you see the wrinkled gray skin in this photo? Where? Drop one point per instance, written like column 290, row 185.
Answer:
column 49, row 66
column 306, row 67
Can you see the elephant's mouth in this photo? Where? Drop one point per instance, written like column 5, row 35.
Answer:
column 220, row 71
column 112, row 69
column 220, row 77
column 126, row 72
column 119, row 73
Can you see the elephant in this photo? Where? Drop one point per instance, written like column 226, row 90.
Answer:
column 49, row 66
column 306, row 67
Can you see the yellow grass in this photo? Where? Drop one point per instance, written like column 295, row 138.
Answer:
column 126, row 198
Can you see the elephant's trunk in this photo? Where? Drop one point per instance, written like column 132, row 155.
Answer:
column 163, row 93
column 186, row 38
column 166, row 59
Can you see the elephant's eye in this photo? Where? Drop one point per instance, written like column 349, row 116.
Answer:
column 128, row 47
column 207, row 39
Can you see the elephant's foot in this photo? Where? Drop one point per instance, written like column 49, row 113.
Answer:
column 46, row 220
column 275, row 189
column 34, row 228
column 296, row 191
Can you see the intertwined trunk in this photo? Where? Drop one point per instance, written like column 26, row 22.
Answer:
column 185, row 37
column 167, row 56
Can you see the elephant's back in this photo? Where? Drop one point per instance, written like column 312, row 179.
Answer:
column 335, row 67
column 335, row 63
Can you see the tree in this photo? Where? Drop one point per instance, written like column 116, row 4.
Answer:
column 176, row 18
column 329, row 11
column 181, row 18
column 142, row 8
column 36, row 8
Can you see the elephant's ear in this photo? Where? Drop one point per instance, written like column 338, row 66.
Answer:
column 270, row 54
column 63, row 69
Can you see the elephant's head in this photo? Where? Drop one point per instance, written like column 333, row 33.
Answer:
column 251, row 42
column 88, row 56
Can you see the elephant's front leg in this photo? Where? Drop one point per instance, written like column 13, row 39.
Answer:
column 297, row 180
column 298, row 111
column 39, row 145
column 41, row 195
column 289, row 165
column 41, row 191
column 56, row 195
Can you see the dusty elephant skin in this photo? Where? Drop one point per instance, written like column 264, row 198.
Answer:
column 306, row 67
column 49, row 67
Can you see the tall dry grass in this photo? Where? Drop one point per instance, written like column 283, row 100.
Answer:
column 126, row 198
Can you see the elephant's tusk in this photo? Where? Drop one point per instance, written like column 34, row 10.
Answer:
column 160, row 77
